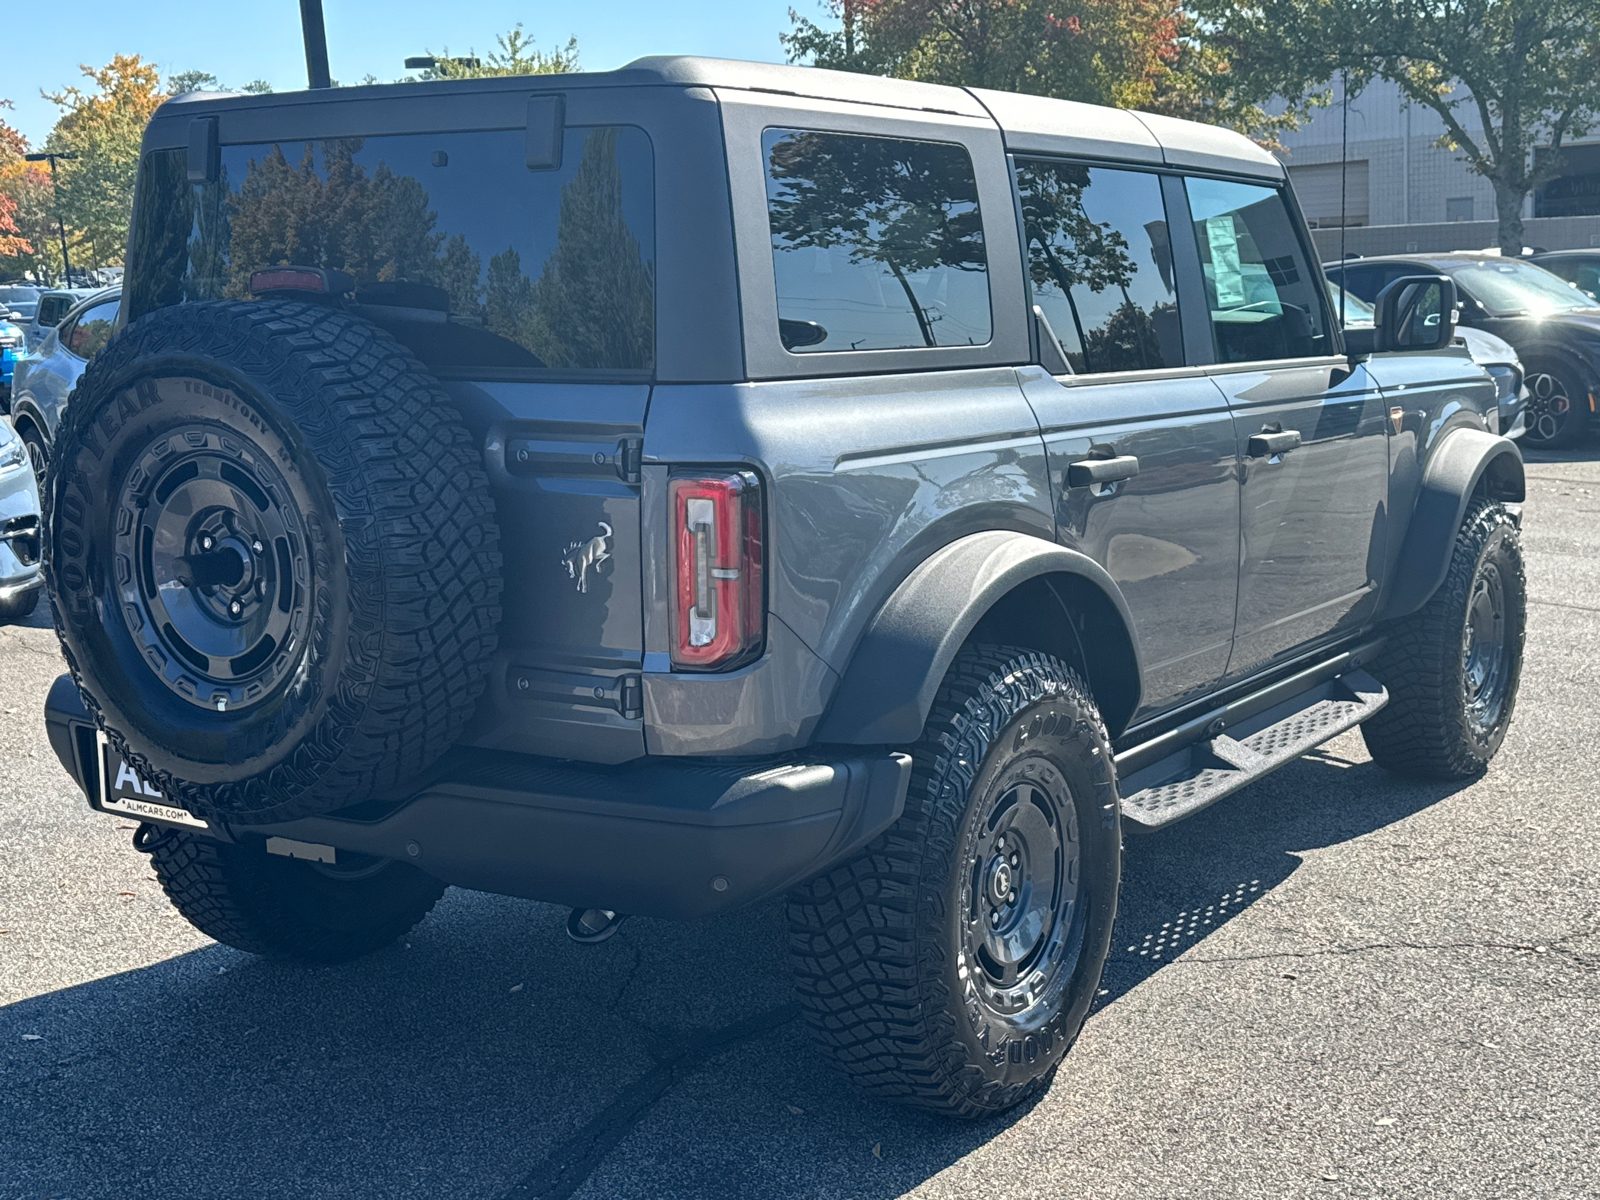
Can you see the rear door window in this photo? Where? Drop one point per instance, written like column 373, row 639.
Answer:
column 473, row 258
column 1261, row 293
column 877, row 242
column 1100, row 264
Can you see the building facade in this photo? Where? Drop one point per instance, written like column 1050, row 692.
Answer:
column 1395, row 174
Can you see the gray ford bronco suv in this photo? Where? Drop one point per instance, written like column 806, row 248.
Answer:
column 660, row 490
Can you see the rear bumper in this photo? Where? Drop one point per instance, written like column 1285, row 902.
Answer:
column 660, row 837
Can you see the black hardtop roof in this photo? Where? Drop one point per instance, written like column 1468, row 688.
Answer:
column 1028, row 123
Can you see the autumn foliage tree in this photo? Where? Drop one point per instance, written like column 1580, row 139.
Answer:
column 1147, row 54
column 12, row 147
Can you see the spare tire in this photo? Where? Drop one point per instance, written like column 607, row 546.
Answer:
column 273, row 559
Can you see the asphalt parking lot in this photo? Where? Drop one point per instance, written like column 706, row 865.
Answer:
column 1332, row 984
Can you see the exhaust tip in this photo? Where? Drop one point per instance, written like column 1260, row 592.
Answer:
column 590, row 926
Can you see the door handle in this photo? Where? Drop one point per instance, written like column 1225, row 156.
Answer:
column 1270, row 445
column 1102, row 470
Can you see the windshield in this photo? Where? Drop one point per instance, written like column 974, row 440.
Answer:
column 1508, row 288
column 1354, row 310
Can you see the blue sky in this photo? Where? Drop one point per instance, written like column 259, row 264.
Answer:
column 243, row 40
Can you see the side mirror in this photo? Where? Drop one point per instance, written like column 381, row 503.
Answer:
column 1417, row 312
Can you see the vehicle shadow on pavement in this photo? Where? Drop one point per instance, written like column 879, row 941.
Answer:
column 489, row 1056
column 1182, row 884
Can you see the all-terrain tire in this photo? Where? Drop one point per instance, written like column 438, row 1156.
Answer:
column 282, row 907
column 273, row 558
column 1452, row 679
column 900, row 954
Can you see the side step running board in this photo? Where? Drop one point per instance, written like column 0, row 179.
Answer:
column 1200, row 774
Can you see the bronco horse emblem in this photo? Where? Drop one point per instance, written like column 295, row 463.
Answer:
column 590, row 552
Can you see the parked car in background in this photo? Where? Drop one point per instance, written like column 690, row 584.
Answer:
column 20, row 298
column 46, row 376
column 1495, row 355
column 21, row 579
column 10, row 347
column 1581, row 268
column 52, row 306
column 1554, row 326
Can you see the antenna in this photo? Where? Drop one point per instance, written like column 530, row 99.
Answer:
column 316, row 37
column 1344, row 163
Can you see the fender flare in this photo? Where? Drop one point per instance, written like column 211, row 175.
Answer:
column 889, row 685
column 1462, row 460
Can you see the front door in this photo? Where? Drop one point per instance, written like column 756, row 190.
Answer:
column 1311, row 429
column 1100, row 264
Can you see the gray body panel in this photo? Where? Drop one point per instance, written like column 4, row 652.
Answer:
column 1313, row 520
column 1169, row 537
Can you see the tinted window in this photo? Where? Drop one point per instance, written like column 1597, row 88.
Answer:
column 92, row 329
column 1100, row 262
column 50, row 310
column 472, row 258
column 1260, row 289
column 877, row 243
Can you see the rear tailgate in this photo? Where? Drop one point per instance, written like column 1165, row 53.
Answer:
column 563, row 463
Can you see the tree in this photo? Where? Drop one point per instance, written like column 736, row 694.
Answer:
column 12, row 147
column 516, row 56
column 103, row 127
column 1129, row 53
column 1528, row 69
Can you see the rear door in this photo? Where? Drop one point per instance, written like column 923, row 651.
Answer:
column 1311, row 428
column 1100, row 265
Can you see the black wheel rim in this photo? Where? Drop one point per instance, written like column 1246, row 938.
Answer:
column 1485, row 656
column 1549, row 406
column 1020, row 893
column 212, row 568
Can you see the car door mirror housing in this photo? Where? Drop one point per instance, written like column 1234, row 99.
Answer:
column 1416, row 312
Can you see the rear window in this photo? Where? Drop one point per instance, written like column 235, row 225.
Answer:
column 877, row 242
column 475, row 261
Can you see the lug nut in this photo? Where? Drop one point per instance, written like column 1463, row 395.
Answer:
column 1015, row 858
column 1012, row 898
column 994, row 918
column 261, row 588
column 206, row 542
column 257, row 546
column 236, row 608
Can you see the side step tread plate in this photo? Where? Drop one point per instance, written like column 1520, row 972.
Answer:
column 1224, row 764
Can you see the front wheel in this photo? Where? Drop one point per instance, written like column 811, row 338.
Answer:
column 952, row 962
column 1452, row 668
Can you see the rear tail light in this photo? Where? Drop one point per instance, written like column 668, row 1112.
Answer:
column 719, row 605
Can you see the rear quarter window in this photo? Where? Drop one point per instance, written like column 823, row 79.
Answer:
column 474, row 260
column 877, row 242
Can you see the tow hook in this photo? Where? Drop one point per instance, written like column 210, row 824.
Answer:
column 593, row 925
column 147, row 837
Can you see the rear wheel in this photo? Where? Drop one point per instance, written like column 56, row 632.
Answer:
column 1558, row 405
column 951, row 963
column 284, row 907
column 1452, row 668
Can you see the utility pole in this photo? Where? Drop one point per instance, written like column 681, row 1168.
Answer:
column 50, row 157
column 316, row 39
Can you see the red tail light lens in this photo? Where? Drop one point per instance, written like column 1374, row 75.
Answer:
column 719, row 606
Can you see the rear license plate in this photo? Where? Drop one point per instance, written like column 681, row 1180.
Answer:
column 122, row 791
